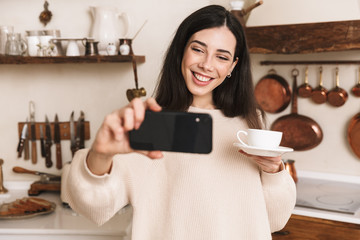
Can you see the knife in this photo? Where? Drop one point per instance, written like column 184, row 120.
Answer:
column 57, row 142
column 26, row 143
column 42, row 144
column 72, row 134
column 33, row 132
column 48, row 143
column 20, row 147
column 49, row 176
column 81, row 130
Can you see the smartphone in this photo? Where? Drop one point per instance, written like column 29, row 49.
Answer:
column 174, row 132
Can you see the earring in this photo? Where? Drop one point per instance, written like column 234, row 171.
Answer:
column 229, row 75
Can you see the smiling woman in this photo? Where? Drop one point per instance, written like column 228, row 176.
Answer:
column 222, row 195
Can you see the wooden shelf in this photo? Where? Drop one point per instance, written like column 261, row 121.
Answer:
column 304, row 38
column 65, row 59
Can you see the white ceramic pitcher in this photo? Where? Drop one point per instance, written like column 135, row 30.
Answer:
column 107, row 26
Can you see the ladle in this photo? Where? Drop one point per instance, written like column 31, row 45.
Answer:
column 135, row 92
column 356, row 89
column 305, row 89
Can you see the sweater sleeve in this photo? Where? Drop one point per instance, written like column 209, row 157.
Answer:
column 280, row 196
column 95, row 197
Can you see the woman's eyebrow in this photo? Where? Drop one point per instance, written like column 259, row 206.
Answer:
column 204, row 45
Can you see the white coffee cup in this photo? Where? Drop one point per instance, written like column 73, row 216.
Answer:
column 33, row 45
column 72, row 48
column 265, row 139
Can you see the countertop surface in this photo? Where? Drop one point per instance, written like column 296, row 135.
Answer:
column 324, row 214
column 63, row 221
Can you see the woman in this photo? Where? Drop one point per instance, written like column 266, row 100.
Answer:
column 221, row 195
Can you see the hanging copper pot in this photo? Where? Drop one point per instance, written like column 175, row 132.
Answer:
column 337, row 96
column 272, row 92
column 305, row 90
column 319, row 94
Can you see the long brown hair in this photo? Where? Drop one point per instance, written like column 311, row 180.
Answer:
column 235, row 95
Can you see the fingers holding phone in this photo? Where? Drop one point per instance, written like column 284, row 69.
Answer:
column 112, row 137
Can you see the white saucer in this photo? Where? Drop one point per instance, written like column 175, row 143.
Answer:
column 262, row 151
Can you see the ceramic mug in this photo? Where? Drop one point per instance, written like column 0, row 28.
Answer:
column 33, row 45
column 265, row 139
column 72, row 48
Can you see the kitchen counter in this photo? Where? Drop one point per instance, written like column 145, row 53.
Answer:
column 327, row 214
column 63, row 222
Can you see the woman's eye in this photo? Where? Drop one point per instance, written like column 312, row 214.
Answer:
column 196, row 49
column 223, row 58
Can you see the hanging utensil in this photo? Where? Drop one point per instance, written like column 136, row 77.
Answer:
column 356, row 89
column 305, row 89
column 45, row 16
column 272, row 92
column 33, row 132
column 319, row 94
column 353, row 134
column 299, row 132
column 135, row 92
column 337, row 96
column 142, row 26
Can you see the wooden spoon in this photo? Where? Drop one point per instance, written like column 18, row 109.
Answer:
column 356, row 89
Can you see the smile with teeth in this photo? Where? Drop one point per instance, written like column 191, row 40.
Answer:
column 201, row 78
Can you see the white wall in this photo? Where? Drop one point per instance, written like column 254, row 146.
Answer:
column 97, row 89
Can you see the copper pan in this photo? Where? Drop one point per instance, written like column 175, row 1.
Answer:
column 305, row 89
column 272, row 92
column 299, row 132
column 355, row 90
column 353, row 134
column 337, row 96
column 319, row 94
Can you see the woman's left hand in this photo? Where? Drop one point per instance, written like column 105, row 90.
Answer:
column 267, row 164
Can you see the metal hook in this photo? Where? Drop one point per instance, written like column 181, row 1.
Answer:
column 295, row 72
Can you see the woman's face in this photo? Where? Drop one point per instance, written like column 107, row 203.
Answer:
column 208, row 59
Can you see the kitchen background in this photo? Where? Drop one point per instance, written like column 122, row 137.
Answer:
column 98, row 89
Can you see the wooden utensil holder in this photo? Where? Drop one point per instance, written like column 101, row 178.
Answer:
column 64, row 129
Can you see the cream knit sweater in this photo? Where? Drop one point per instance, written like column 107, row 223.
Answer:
column 218, row 196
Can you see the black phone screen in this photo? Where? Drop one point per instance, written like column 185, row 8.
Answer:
column 174, row 131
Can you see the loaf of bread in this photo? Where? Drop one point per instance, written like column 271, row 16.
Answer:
column 24, row 206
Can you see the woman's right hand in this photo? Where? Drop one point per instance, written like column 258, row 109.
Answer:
column 113, row 138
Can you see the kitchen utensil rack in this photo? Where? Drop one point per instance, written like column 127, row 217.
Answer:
column 332, row 62
column 68, row 59
column 64, row 129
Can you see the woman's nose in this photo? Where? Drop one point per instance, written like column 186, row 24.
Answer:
column 206, row 64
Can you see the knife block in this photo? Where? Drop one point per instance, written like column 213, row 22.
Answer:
column 64, row 129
